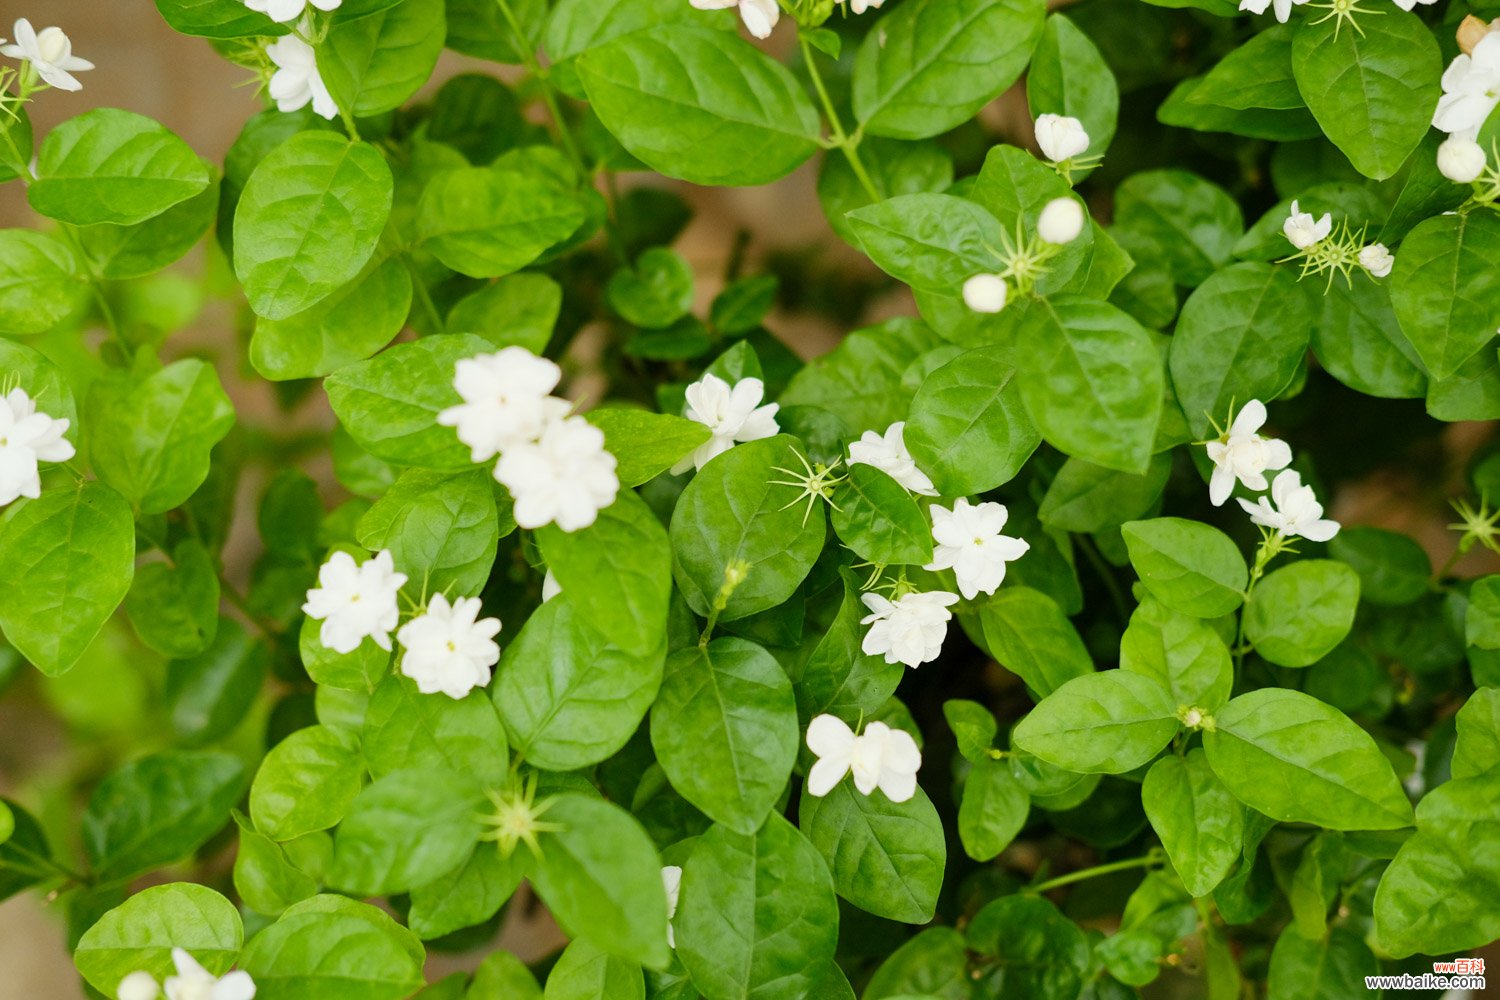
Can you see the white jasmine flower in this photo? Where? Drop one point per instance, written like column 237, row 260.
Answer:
column 860, row 6
column 27, row 437
column 550, row 587
column 1061, row 221
column 1303, row 230
column 1377, row 260
column 356, row 601
column 908, row 630
column 50, row 53
column 1297, row 511
column 880, row 757
column 138, row 985
column 732, row 415
column 986, row 293
column 1244, row 455
column 887, row 452
column 506, row 400
column 1410, row 4
column 296, row 81
column 289, row 10
column 449, row 648
column 1283, row 7
column 1460, row 159
column 969, row 542
column 1060, row 137
column 566, row 476
column 671, row 880
column 760, row 16
column 194, row 982
column 1471, row 89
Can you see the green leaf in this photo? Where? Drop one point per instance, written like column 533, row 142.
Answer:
column 469, row 894
column 968, row 429
column 1084, row 497
column 440, row 528
column 932, row 242
column 122, row 252
column 306, row 782
column 1015, row 187
column 1445, row 288
column 66, row 562
column 731, row 513
column 1028, row 634
column 1438, row 895
column 174, row 606
column 490, row 221
column 1242, row 335
column 209, row 694
column 1360, row 342
column 1040, row 952
column 974, row 728
column 646, row 444
column 701, row 105
column 375, row 64
column 1108, row 722
column 1393, row 568
column 41, row 282
column 934, row 63
column 755, row 910
column 580, row 25
column 389, row 404
column 157, row 810
column 878, row 520
column 1185, row 655
column 46, row 384
column 331, row 948
column 617, row 572
column 348, row 326
column 108, row 165
column 569, row 697
column 142, row 932
column 1328, row 968
column 1477, row 749
column 1188, row 566
column 893, row 167
column 308, row 221
column 993, row 810
column 1181, row 111
column 1201, row 825
column 601, row 878
column 360, row 670
column 586, row 973
column 840, row 677
column 859, row 382
column 1370, row 89
column 1195, row 223
column 217, row 19
column 406, row 829
column 405, row 729
column 502, row 976
column 1301, row 611
column 1297, row 760
column 1069, row 76
column 1093, row 381
column 150, row 437
column 725, row 730
column 518, row 309
column 1257, row 74
column 656, row 292
column 934, row 963
column 263, row 876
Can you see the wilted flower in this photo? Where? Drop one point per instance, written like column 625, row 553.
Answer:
column 1471, row 89
column 449, row 648
column 1244, row 455
column 355, row 601
column 1377, row 260
column 565, row 476
column 969, row 542
column 1297, row 511
column 1060, row 137
column 27, row 436
column 50, row 52
column 1283, row 7
column 908, row 630
column 887, row 452
column 1303, row 230
column 732, row 416
column 296, row 81
column 880, row 757
column 1061, row 221
column 985, row 293
column 194, row 982
column 760, row 16
column 1460, row 159
column 671, row 880
column 289, row 10
column 505, row 400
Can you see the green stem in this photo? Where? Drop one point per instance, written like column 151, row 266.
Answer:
column 1106, row 574
column 1147, row 860
column 96, row 286
column 424, row 297
column 1270, row 547
column 849, row 144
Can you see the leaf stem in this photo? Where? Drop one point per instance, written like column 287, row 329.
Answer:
column 419, row 288
column 1150, row 859
column 843, row 140
column 1106, row 574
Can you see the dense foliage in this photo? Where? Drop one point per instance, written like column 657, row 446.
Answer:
column 1002, row 652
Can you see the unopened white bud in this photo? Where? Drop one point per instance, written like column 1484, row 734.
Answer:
column 1061, row 221
column 985, row 293
column 1376, row 259
column 138, row 985
column 1460, row 160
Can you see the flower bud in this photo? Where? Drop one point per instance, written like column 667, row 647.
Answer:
column 1460, row 160
column 1376, row 259
column 1061, row 138
column 1061, row 221
column 985, row 293
column 138, row 986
